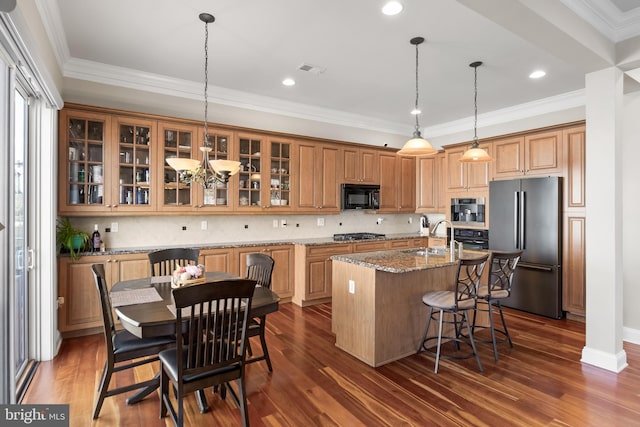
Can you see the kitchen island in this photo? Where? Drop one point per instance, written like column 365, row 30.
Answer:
column 377, row 310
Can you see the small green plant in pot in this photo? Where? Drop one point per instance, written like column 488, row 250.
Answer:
column 68, row 238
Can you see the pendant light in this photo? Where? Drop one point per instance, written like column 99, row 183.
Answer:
column 206, row 172
column 417, row 146
column 475, row 154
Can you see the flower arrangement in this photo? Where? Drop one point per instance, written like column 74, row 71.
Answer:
column 188, row 275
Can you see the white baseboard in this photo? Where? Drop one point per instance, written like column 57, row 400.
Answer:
column 609, row 361
column 631, row 335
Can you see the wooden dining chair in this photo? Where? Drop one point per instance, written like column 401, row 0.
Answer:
column 455, row 302
column 164, row 261
column 122, row 346
column 211, row 321
column 502, row 266
column 260, row 269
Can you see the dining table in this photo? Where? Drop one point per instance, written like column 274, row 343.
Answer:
column 146, row 313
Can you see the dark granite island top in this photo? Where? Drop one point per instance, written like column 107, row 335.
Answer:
column 377, row 310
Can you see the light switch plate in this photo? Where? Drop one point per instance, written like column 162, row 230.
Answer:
column 352, row 287
column 320, row 222
column 203, row 225
column 114, row 227
column 275, row 223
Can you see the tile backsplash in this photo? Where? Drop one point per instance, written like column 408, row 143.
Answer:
column 149, row 231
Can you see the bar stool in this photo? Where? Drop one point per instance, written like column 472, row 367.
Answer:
column 502, row 265
column 455, row 302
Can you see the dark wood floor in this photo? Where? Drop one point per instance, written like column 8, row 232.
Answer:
column 540, row 382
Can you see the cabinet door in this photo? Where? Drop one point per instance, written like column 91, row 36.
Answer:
column 307, row 176
column 280, row 159
column 508, row 157
column 80, row 307
column 176, row 140
column 282, row 276
column 128, row 267
column 134, row 158
column 317, row 177
column 455, row 173
column 359, row 165
column 479, row 175
column 327, row 191
column 220, row 260
column 218, row 195
column 253, row 175
column 84, row 162
column 406, row 184
column 431, row 193
column 573, row 270
column 543, row 153
column 574, row 182
column 466, row 176
column 388, row 182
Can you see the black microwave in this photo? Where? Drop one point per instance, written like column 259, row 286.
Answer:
column 360, row 196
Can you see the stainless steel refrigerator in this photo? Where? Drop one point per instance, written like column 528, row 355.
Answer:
column 526, row 214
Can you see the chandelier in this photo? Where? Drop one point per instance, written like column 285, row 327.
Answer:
column 417, row 145
column 206, row 172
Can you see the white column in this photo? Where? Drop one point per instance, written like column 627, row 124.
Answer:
column 604, row 93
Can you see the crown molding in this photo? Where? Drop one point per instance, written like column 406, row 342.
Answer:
column 52, row 23
column 605, row 17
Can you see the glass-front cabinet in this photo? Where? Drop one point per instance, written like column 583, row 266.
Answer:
column 251, row 177
column 84, row 162
column 175, row 140
column 280, row 174
column 134, row 159
column 218, row 196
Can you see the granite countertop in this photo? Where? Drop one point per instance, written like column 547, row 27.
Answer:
column 306, row 242
column 404, row 261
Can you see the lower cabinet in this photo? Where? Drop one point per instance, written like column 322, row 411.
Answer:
column 281, row 278
column 224, row 259
column 574, row 265
column 78, row 306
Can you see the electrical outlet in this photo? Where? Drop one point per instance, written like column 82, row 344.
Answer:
column 320, row 222
column 203, row 225
column 379, row 221
column 410, row 220
column 283, row 223
column 114, row 227
column 275, row 223
column 184, row 228
column 352, row 287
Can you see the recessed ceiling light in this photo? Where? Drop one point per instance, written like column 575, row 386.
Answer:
column 392, row 8
column 416, row 111
column 288, row 82
column 537, row 74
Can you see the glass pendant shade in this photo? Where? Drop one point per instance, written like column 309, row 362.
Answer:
column 417, row 146
column 182, row 164
column 475, row 154
column 224, row 167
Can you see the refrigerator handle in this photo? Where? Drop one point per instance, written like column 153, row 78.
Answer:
column 516, row 224
column 522, row 219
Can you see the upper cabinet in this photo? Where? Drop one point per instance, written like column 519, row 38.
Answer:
column 397, row 183
column 253, row 172
column 575, row 153
column 359, row 165
column 317, row 172
column 463, row 177
column 176, row 140
column 85, row 162
column 534, row 154
column 280, row 173
column 431, row 192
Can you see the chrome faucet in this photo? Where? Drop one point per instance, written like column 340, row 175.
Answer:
column 452, row 242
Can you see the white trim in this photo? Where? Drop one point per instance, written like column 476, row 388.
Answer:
column 609, row 361
column 607, row 18
column 631, row 335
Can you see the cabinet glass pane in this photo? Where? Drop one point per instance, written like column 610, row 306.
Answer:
column 250, row 175
column 134, row 165
column 86, row 161
column 219, row 145
column 280, row 178
column 175, row 143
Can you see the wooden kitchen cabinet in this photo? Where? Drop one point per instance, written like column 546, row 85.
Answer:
column 359, row 165
column 431, row 194
column 283, row 268
column 464, row 177
column 574, row 140
column 313, row 272
column 84, row 149
column 175, row 140
column 223, row 259
column 220, row 196
column 316, row 175
column 574, row 265
column 79, row 308
column 397, row 183
column 530, row 154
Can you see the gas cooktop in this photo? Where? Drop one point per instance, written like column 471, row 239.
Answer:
column 357, row 236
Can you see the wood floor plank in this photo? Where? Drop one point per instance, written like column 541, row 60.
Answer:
column 539, row 382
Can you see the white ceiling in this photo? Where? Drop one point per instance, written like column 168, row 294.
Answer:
column 370, row 65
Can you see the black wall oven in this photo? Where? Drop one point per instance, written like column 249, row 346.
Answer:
column 471, row 238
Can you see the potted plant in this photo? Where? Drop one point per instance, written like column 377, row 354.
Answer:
column 68, row 238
